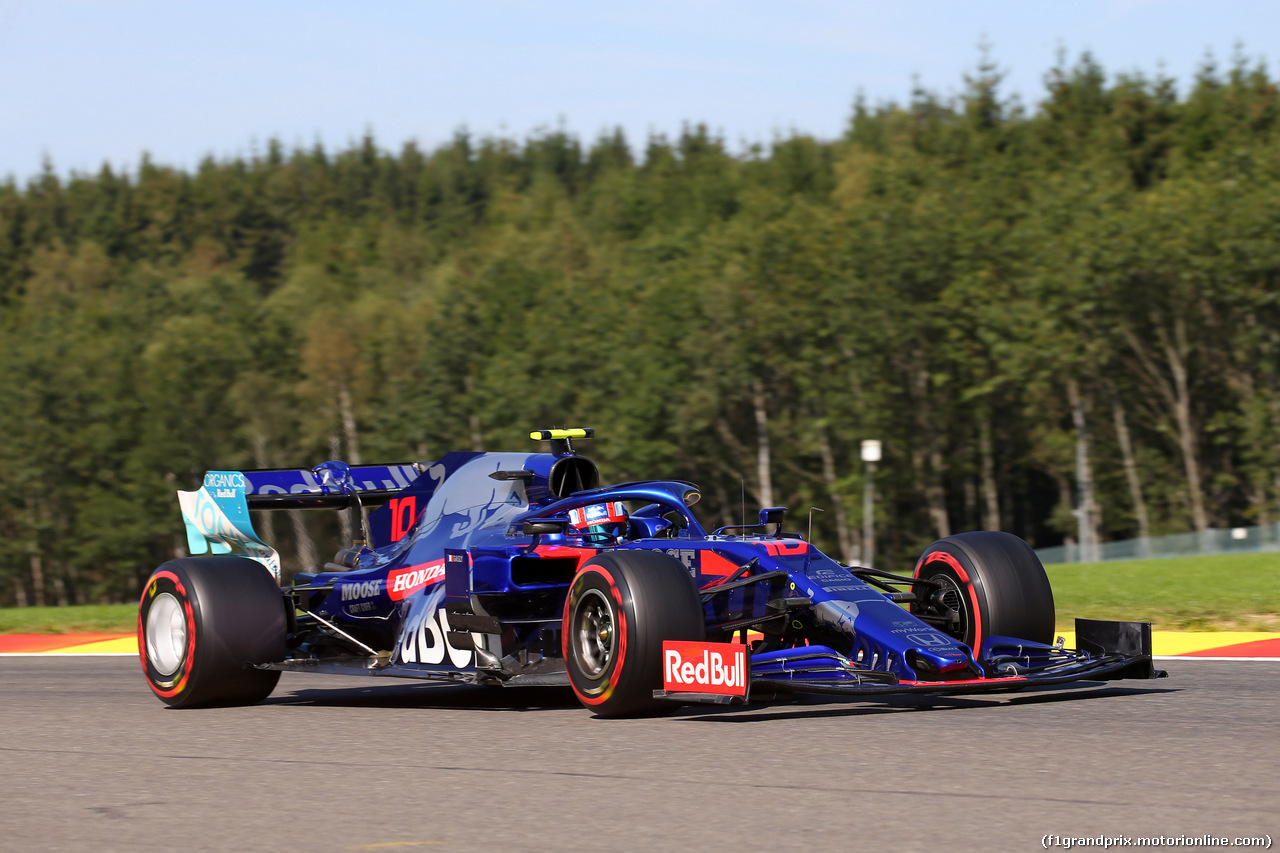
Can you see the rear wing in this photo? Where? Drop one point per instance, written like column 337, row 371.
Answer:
column 217, row 514
column 325, row 487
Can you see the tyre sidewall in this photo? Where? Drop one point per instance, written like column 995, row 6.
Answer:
column 174, row 688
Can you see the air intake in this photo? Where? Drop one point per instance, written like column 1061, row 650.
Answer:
column 572, row 474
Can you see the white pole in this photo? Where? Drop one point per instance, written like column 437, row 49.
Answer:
column 870, row 456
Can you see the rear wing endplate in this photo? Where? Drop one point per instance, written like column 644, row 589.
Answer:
column 217, row 520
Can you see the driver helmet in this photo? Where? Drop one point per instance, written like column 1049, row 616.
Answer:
column 606, row 519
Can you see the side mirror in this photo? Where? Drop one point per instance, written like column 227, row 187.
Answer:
column 539, row 528
column 773, row 515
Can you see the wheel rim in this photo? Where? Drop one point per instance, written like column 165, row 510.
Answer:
column 953, row 599
column 595, row 636
column 166, row 634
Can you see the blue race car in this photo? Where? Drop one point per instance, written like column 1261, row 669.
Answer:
column 511, row 569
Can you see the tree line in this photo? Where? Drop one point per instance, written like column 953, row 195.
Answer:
column 1060, row 319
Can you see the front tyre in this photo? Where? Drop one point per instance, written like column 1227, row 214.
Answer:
column 620, row 607
column 992, row 584
column 202, row 623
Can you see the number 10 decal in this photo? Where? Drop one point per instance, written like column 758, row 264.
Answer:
column 404, row 512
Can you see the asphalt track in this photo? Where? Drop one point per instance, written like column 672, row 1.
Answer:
column 90, row 760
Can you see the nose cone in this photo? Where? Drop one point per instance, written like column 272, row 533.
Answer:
column 941, row 665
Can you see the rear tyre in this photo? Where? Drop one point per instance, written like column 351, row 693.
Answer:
column 620, row 607
column 994, row 584
column 202, row 623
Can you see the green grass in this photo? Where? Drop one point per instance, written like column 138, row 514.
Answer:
column 1238, row 592
column 81, row 619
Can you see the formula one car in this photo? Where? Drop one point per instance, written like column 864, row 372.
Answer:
column 513, row 569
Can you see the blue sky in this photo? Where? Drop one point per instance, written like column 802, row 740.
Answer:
column 88, row 82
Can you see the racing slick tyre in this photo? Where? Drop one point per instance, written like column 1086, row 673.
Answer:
column 202, row 623
column 620, row 607
column 994, row 584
